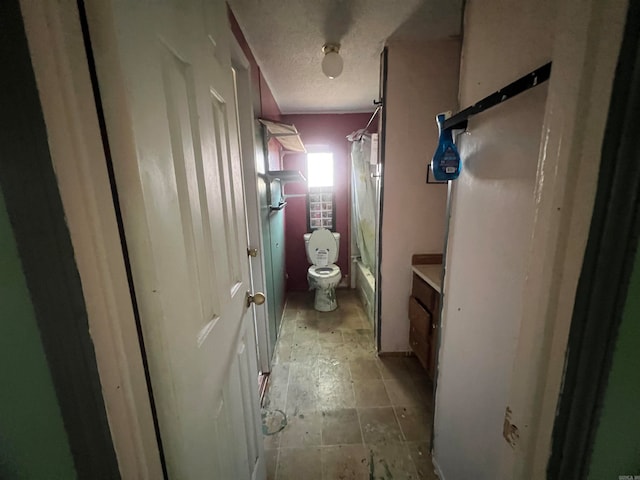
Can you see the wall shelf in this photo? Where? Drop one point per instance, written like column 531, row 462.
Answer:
column 285, row 176
column 289, row 138
column 287, row 135
column 280, row 206
column 275, row 179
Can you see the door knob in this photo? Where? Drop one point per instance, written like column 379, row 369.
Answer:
column 258, row 298
column 252, row 252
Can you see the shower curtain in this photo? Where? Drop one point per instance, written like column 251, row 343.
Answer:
column 364, row 203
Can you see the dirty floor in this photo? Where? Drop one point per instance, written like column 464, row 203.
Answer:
column 334, row 410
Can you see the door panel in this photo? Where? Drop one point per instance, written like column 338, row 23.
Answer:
column 190, row 181
column 222, row 142
column 167, row 88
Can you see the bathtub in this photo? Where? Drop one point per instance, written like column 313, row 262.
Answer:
column 365, row 285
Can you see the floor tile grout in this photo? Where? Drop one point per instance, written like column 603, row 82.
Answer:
column 395, row 414
column 360, row 425
column 275, row 473
column 350, row 346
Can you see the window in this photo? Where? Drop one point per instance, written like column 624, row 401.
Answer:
column 320, row 170
column 320, row 200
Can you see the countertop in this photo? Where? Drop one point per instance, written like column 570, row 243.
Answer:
column 430, row 273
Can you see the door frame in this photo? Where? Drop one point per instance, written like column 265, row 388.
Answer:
column 588, row 35
column 382, row 137
column 604, row 280
column 47, row 263
column 246, row 129
column 59, row 59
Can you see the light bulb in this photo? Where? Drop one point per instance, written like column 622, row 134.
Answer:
column 332, row 61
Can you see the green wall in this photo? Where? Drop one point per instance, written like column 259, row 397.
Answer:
column 616, row 449
column 33, row 441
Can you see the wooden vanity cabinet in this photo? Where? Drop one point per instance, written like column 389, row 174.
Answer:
column 424, row 311
column 420, row 324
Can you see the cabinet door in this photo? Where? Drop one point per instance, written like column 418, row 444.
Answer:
column 420, row 323
column 424, row 293
column 433, row 338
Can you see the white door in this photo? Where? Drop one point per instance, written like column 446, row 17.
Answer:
column 167, row 91
column 246, row 122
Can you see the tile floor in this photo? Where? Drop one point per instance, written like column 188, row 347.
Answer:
column 334, row 410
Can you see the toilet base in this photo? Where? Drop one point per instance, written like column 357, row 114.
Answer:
column 325, row 300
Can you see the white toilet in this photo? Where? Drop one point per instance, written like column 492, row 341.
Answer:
column 322, row 247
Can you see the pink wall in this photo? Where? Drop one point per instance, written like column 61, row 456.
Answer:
column 327, row 130
column 267, row 105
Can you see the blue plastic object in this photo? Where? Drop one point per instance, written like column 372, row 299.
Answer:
column 446, row 160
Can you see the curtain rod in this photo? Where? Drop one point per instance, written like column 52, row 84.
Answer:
column 358, row 134
column 373, row 115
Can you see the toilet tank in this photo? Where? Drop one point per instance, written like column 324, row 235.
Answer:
column 333, row 257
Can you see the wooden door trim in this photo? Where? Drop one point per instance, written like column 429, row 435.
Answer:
column 59, row 59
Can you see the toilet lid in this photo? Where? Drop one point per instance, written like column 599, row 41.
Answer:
column 322, row 247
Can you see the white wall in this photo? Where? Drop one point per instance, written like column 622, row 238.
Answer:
column 422, row 81
column 490, row 230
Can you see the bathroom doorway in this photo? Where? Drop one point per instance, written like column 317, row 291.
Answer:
column 365, row 211
column 367, row 157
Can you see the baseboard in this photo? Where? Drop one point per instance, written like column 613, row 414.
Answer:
column 395, row 354
column 437, row 467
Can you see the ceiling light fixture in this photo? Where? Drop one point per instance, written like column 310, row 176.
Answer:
column 332, row 61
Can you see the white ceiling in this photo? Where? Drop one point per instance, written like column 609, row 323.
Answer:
column 286, row 37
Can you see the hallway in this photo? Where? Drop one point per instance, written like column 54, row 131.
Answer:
column 334, row 410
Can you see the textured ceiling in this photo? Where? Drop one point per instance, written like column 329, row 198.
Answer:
column 286, row 37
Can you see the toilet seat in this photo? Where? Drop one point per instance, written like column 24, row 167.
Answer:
column 324, row 272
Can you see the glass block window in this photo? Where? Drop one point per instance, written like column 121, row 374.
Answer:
column 321, row 211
